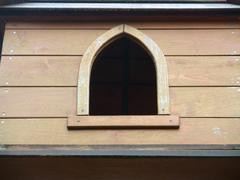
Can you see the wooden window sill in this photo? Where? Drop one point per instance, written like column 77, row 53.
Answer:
column 124, row 122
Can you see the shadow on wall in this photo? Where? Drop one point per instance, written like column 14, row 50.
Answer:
column 1, row 37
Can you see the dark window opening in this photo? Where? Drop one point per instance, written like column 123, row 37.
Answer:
column 123, row 80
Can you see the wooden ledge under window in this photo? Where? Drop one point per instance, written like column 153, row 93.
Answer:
column 124, row 122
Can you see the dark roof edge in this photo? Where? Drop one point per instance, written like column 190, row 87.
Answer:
column 115, row 8
column 116, row 1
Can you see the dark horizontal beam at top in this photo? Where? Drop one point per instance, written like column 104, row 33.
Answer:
column 126, row 1
column 116, row 8
column 114, row 1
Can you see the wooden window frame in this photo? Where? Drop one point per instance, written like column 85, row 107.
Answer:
column 83, row 120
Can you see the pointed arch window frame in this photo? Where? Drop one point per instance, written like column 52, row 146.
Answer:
column 83, row 88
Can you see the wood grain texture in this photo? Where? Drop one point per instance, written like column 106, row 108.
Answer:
column 21, row 108
column 39, row 71
column 53, row 131
column 204, row 71
column 75, row 42
column 123, row 122
column 140, row 25
column 38, row 102
column 48, row 42
column 206, row 102
column 61, row 101
column 197, row 42
column 63, row 71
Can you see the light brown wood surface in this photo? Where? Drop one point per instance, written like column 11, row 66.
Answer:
column 39, row 70
column 61, row 101
column 200, row 55
column 204, row 71
column 54, row 131
column 123, row 122
column 75, row 42
column 38, row 102
column 63, row 70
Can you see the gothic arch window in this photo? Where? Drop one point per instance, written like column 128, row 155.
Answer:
column 101, row 42
column 90, row 62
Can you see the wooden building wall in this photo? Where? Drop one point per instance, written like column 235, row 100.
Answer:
column 38, row 79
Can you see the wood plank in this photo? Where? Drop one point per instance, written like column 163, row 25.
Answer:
column 75, row 42
column 197, row 42
column 63, row 71
column 61, row 102
column 39, row 70
column 204, row 71
column 48, row 42
column 123, row 122
column 206, row 102
column 38, row 102
column 140, row 25
column 53, row 131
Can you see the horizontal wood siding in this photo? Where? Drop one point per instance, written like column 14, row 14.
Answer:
column 39, row 71
column 61, row 102
column 54, row 131
column 75, row 42
column 63, row 70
